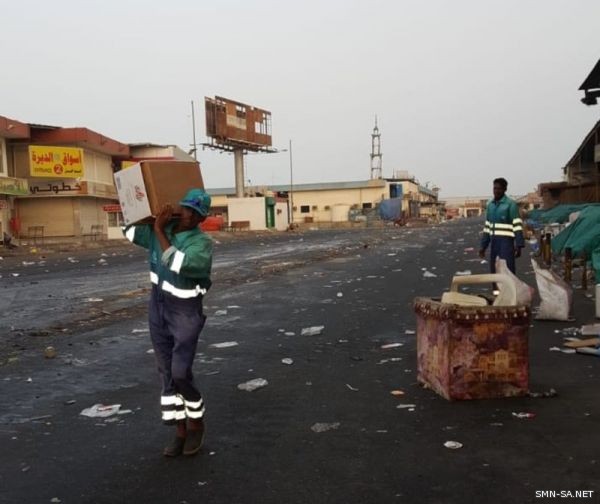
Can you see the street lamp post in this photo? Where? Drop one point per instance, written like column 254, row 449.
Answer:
column 291, row 198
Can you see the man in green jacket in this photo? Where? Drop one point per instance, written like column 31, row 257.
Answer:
column 180, row 266
column 503, row 228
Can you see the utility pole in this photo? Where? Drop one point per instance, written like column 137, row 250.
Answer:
column 194, row 148
column 291, row 186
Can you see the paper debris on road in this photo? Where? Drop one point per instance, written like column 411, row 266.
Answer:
column 93, row 300
column 391, row 345
column 429, row 274
column 220, row 313
column 289, row 333
column 453, row 445
column 287, row 361
column 134, row 331
column 312, row 331
column 406, row 406
column 225, row 344
column 101, row 410
column 409, row 331
column 397, row 392
column 251, row 385
column 463, row 273
column 324, row 427
column 351, row 387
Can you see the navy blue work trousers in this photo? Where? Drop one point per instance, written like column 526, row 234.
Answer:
column 175, row 325
column 504, row 248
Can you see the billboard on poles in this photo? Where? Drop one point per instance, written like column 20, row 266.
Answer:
column 231, row 124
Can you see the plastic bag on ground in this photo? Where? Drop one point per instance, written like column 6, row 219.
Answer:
column 555, row 293
column 524, row 291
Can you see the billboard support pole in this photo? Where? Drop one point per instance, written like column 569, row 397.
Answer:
column 238, row 155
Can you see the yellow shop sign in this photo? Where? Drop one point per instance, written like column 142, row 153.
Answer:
column 63, row 162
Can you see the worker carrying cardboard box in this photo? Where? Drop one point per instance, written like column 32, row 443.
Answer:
column 180, row 265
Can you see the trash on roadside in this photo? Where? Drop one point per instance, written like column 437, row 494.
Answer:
column 409, row 331
column 463, row 273
column 556, row 295
column 397, row 392
column 536, row 395
column 409, row 407
column 524, row 291
column 220, row 313
column 151, row 351
column 351, row 387
column 28, row 263
column 523, row 414
column 135, row 331
column 391, row 345
column 93, row 300
column 289, row 333
column 287, row 361
column 393, row 359
column 453, row 445
column 590, row 330
column 429, row 274
column 225, row 344
column 254, row 384
column 312, row 331
column 340, row 294
column 50, row 352
column 101, row 410
column 324, row 427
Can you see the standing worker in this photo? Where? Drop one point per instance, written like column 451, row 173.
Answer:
column 180, row 264
column 503, row 228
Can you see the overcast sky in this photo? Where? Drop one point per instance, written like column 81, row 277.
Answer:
column 465, row 90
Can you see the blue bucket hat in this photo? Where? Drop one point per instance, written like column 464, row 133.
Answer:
column 197, row 199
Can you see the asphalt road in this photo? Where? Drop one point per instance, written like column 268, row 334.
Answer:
column 261, row 446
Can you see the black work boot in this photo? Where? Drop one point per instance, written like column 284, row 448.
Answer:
column 175, row 447
column 194, row 438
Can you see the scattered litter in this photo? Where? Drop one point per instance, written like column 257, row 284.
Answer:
column 463, row 273
column 340, row 294
column 50, row 352
column 151, row 351
column 549, row 393
column 280, row 330
column 324, row 427
column 202, row 483
column 554, row 349
column 590, row 330
column 233, row 307
column 135, row 331
column 287, row 361
column 351, row 387
column 101, row 261
column 29, row 380
column 15, row 274
column 70, row 402
column 93, row 300
column 397, row 392
column 28, row 263
column 556, row 295
column 523, row 414
column 589, row 351
column 409, row 331
column 55, row 499
column 289, row 333
column 429, row 274
column 392, row 254
column 225, row 344
column 453, row 445
column 72, row 260
column 392, row 345
column 568, row 350
column 219, row 313
column 393, row 359
column 470, row 249
column 101, row 410
column 577, row 343
column 251, row 385
column 312, row 331
column 496, row 424
column 409, row 407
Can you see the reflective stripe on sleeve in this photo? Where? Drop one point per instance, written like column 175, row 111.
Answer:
column 177, row 261
column 517, row 228
column 517, row 221
column 500, row 225
column 154, row 278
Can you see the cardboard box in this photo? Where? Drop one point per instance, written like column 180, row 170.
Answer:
column 146, row 186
